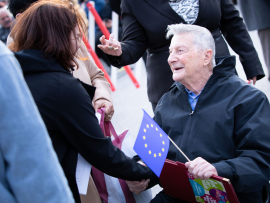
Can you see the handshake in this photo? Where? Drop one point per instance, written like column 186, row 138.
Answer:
column 199, row 168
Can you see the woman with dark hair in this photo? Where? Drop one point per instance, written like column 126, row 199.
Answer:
column 46, row 38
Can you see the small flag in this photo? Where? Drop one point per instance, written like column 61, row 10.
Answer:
column 152, row 144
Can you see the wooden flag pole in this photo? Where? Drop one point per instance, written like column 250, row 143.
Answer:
column 178, row 149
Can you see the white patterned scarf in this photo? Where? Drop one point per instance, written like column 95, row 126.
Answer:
column 187, row 9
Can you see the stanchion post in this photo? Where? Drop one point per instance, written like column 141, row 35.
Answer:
column 115, row 22
column 91, row 27
column 138, row 68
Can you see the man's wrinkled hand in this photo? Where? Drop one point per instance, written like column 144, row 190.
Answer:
column 138, row 186
column 201, row 169
column 109, row 110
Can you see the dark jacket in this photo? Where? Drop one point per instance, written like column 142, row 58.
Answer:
column 144, row 27
column 229, row 128
column 66, row 108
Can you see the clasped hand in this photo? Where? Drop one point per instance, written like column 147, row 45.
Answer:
column 199, row 168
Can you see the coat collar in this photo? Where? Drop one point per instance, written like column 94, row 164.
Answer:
column 33, row 61
column 163, row 7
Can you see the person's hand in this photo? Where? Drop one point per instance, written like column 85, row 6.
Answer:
column 109, row 110
column 111, row 46
column 201, row 169
column 254, row 79
column 138, row 186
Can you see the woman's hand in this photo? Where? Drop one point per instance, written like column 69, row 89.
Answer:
column 138, row 186
column 109, row 110
column 111, row 46
column 254, row 79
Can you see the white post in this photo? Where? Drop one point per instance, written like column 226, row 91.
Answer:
column 115, row 19
column 91, row 28
column 138, row 69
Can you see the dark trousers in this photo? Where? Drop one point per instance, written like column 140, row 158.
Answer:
column 264, row 36
column 163, row 198
column 154, row 105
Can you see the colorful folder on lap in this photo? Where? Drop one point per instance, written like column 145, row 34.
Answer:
column 177, row 182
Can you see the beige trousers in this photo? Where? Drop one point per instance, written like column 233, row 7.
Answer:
column 92, row 195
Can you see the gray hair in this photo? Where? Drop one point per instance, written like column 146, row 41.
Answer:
column 202, row 38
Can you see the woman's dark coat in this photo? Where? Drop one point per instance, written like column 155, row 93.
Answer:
column 66, row 108
column 144, row 27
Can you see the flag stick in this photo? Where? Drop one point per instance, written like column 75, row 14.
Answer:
column 178, row 148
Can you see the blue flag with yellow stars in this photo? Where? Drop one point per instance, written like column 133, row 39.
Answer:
column 152, row 144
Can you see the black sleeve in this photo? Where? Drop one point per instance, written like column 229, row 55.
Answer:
column 134, row 39
column 154, row 180
column 237, row 36
column 78, row 123
column 249, row 171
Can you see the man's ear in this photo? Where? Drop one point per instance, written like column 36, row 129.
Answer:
column 17, row 16
column 207, row 57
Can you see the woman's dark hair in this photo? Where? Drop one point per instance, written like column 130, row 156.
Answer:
column 47, row 26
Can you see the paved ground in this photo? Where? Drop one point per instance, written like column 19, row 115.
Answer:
column 128, row 100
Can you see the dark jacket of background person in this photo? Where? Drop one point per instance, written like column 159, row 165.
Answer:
column 66, row 108
column 228, row 128
column 256, row 13
column 115, row 5
column 29, row 169
column 144, row 27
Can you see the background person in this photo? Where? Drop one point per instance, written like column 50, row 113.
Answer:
column 5, row 24
column 64, row 102
column 144, row 28
column 257, row 17
column 3, row 3
column 29, row 169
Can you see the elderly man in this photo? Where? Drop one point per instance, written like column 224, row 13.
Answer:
column 5, row 24
column 218, row 120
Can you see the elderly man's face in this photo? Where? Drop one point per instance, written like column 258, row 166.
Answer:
column 185, row 60
column 5, row 20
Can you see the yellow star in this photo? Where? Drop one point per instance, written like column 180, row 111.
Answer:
column 152, row 125
column 159, row 154
column 145, row 145
column 150, row 152
column 144, row 137
column 144, row 130
column 163, row 142
column 160, row 135
column 155, row 155
column 156, row 129
column 163, row 149
column 147, row 126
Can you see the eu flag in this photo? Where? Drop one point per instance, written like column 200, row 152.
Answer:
column 152, row 144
